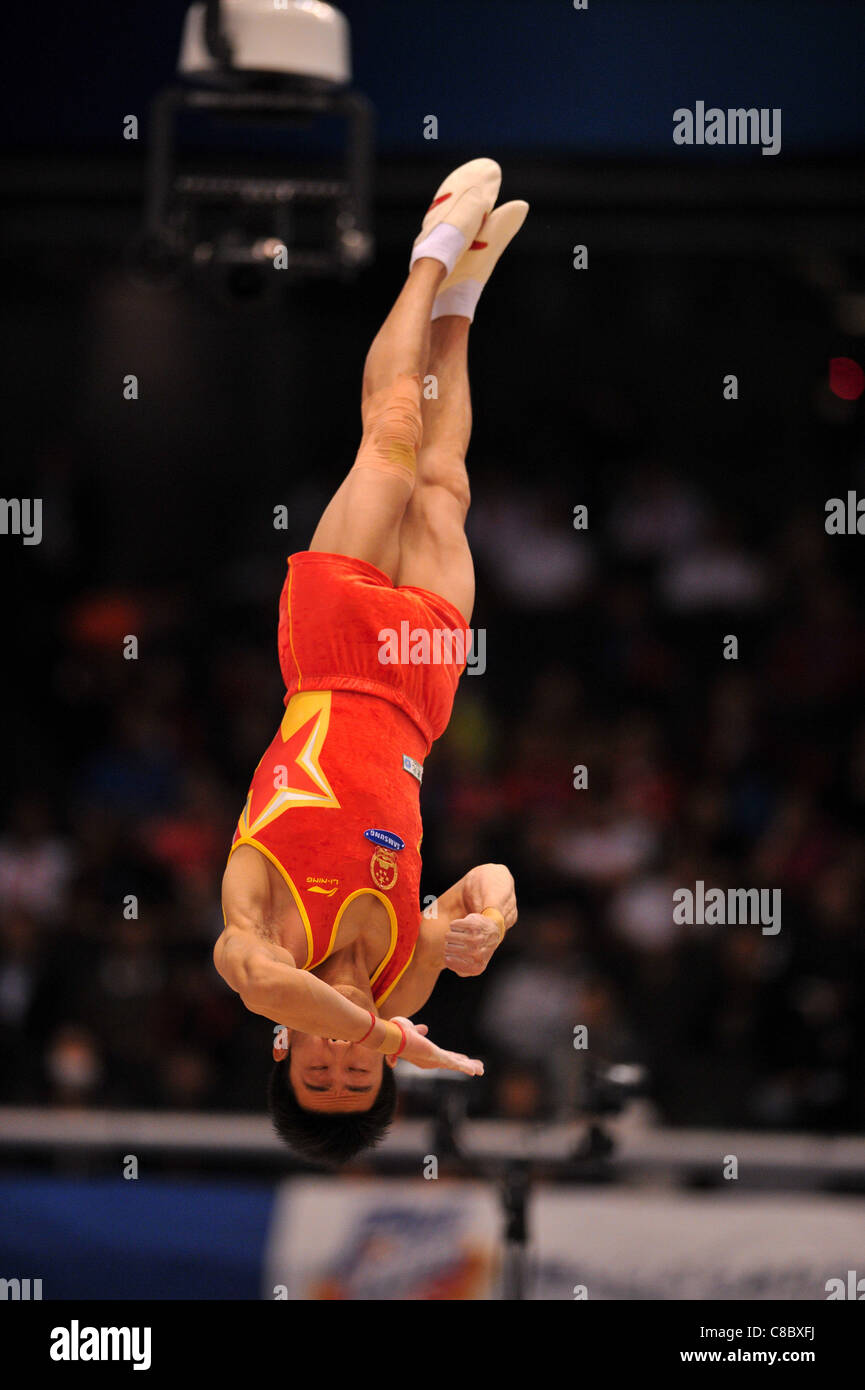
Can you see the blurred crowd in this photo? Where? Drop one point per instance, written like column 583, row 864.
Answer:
column 605, row 650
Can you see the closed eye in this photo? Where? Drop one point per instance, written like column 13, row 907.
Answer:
column 359, row 1071
column 328, row 1090
column 351, row 1090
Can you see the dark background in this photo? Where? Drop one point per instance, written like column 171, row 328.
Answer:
column 601, row 387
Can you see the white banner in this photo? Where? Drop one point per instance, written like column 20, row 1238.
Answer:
column 626, row 1244
column 383, row 1240
column 375, row 1239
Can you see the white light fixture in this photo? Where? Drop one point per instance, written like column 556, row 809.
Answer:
column 304, row 40
column 279, row 64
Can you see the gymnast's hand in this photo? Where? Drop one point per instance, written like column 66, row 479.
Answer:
column 469, row 944
column 423, row 1053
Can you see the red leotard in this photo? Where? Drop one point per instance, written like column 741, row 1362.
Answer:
column 354, row 727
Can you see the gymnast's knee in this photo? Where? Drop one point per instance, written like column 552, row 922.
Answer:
column 392, row 428
column 443, row 471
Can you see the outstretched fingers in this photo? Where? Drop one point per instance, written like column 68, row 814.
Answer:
column 457, row 1061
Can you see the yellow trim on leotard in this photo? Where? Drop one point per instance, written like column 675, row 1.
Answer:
column 394, row 932
column 311, row 963
column 396, row 981
column 290, row 626
column 262, row 849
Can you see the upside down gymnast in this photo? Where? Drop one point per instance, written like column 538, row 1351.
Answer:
column 321, row 895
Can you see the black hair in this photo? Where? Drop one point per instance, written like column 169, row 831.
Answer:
column 328, row 1138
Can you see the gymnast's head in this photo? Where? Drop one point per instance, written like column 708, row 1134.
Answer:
column 329, row 1099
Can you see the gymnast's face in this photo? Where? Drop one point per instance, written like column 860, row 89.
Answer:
column 329, row 1075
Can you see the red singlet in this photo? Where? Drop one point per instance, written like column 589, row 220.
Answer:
column 370, row 670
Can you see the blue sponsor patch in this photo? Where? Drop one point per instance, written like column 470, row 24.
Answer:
column 386, row 838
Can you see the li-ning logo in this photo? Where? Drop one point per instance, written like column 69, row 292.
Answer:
column 737, row 126
column 437, row 646
column 316, row 884
column 77, row 1343
column 19, row 1289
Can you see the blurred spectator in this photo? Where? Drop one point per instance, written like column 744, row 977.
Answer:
column 35, row 865
column 717, row 573
column 656, row 514
column 533, row 1002
column 74, row 1066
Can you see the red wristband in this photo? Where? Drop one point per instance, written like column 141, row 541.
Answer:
column 401, row 1048
column 370, row 1028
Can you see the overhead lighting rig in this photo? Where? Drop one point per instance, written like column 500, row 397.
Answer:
column 275, row 66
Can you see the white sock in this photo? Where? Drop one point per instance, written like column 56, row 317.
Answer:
column 444, row 243
column 459, row 299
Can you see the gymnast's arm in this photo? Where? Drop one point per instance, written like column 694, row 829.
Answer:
column 268, row 981
column 455, row 936
column 266, row 976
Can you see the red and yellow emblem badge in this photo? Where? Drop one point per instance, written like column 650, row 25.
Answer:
column 383, row 869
